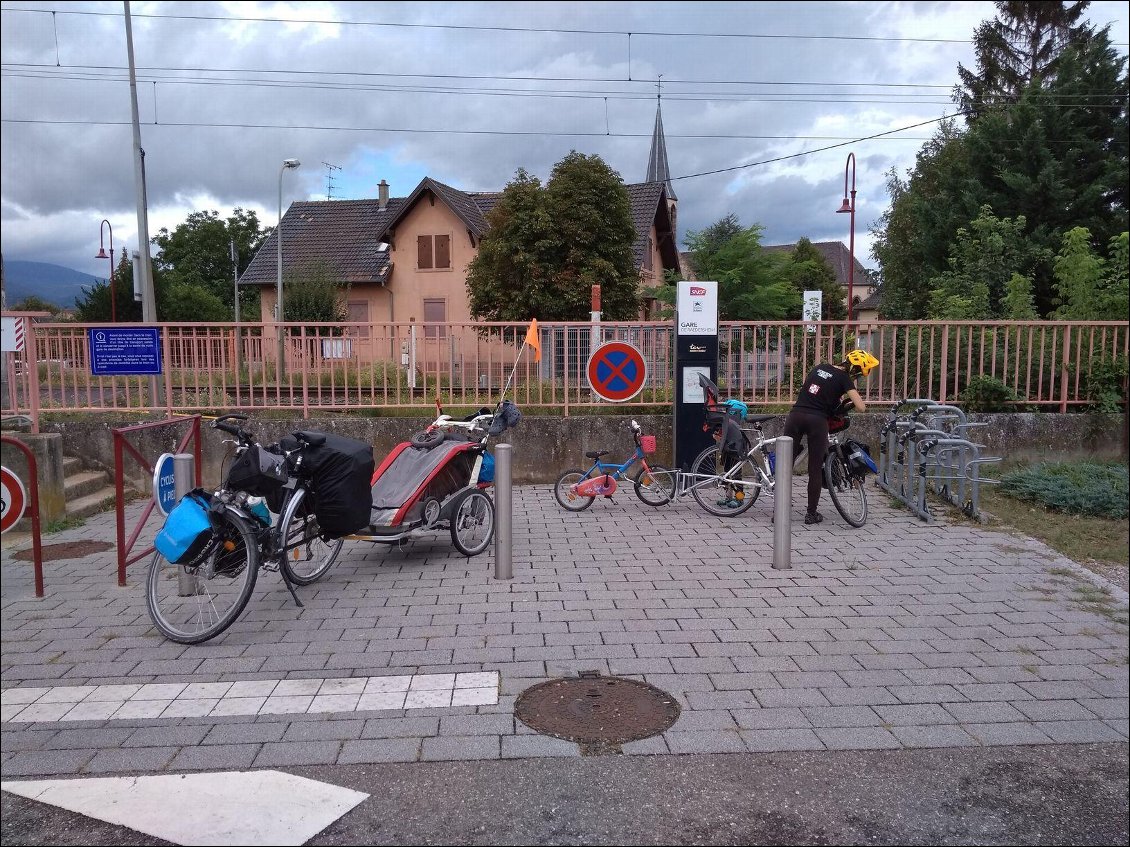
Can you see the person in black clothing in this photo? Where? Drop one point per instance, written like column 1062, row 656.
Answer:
column 820, row 398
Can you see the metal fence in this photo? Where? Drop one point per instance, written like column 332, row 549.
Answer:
column 207, row 367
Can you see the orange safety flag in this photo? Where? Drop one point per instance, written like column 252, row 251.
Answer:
column 534, row 340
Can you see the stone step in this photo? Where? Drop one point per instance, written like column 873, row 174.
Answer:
column 71, row 465
column 100, row 501
column 81, row 483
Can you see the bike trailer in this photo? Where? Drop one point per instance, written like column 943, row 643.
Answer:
column 187, row 529
column 409, row 477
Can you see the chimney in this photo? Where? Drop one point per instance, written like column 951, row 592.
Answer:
column 382, row 196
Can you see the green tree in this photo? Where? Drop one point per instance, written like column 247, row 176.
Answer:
column 32, row 303
column 809, row 271
column 546, row 247
column 182, row 302
column 1018, row 48
column 982, row 263
column 1089, row 287
column 197, row 253
column 93, row 305
column 312, row 294
column 1056, row 157
column 753, row 285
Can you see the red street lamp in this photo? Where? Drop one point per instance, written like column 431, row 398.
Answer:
column 849, row 206
column 102, row 255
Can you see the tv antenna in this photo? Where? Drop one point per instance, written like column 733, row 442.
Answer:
column 330, row 179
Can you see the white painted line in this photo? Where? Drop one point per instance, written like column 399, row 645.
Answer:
column 253, row 697
column 207, row 808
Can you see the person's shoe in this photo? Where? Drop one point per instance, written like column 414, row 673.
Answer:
column 813, row 517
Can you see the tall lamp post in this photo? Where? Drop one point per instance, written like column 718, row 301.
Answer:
column 849, row 206
column 102, row 255
column 288, row 164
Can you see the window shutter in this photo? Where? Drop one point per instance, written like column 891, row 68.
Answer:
column 443, row 251
column 424, row 247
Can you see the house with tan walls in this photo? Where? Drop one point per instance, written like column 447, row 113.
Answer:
column 405, row 259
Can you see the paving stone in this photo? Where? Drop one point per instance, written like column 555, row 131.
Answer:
column 768, row 741
column 339, row 730
column 704, row 741
column 1007, row 733
column 384, row 750
column 133, row 759
column 456, row 747
column 858, row 738
column 47, row 762
column 1079, row 732
column 166, row 736
column 933, row 736
column 245, row 734
column 285, row 753
column 537, row 746
column 218, row 757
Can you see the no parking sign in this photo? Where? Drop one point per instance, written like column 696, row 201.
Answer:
column 13, row 499
column 617, row 371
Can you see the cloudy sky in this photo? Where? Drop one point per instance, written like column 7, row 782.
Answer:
column 466, row 93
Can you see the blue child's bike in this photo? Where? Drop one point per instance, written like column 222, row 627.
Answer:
column 576, row 489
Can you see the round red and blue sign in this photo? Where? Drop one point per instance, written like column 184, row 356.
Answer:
column 617, row 371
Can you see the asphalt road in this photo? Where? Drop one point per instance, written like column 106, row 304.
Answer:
column 1062, row 794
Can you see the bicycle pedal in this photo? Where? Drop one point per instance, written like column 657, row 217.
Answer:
column 273, row 567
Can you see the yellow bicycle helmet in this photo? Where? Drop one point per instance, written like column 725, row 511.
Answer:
column 861, row 361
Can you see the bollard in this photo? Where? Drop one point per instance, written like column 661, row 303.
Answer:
column 782, row 505
column 184, row 480
column 503, row 514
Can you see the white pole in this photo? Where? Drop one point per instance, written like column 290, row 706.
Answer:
column 148, row 301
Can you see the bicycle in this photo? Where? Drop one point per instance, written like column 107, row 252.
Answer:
column 195, row 601
column 727, row 486
column 654, row 484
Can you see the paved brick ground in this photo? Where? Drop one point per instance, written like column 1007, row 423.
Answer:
column 898, row 635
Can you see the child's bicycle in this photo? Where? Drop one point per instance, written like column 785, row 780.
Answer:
column 655, row 485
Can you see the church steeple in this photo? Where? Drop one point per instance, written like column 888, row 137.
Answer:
column 657, row 169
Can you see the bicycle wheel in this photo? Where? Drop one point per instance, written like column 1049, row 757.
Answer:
column 306, row 556
column 655, row 485
column 723, row 493
column 847, row 491
column 564, row 491
column 219, row 585
column 472, row 522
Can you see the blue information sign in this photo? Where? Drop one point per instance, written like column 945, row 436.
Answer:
column 120, row 351
column 165, row 483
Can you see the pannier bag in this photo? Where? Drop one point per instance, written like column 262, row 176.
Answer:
column 187, row 529
column 340, row 472
column 486, row 472
column 859, row 459
column 257, row 472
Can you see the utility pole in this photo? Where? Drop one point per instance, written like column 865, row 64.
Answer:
column 148, row 300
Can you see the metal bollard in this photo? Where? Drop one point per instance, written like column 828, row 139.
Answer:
column 184, row 480
column 503, row 514
column 782, row 505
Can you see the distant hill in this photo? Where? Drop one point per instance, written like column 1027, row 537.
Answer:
column 54, row 283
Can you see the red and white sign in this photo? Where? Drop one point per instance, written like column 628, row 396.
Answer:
column 617, row 371
column 12, row 335
column 13, row 497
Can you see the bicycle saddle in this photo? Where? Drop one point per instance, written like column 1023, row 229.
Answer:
column 596, row 454
column 314, row 439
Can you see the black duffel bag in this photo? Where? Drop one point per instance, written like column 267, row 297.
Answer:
column 339, row 472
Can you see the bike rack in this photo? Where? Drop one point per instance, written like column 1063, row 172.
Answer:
column 928, row 451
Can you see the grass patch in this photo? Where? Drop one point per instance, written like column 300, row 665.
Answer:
column 1078, row 488
column 1078, row 537
column 61, row 524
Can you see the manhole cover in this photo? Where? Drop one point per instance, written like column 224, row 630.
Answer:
column 65, row 550
column 597, row 711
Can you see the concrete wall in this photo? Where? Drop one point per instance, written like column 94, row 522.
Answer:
column 48, row 451
column 545, row 446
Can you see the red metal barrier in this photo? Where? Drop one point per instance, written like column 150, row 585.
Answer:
column 33, row 495
column 120, row 447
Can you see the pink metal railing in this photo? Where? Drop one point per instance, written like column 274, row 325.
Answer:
column 392, row 365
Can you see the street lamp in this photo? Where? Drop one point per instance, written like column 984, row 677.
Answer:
column 288, row 164
column 102, row 255
column 849, row 206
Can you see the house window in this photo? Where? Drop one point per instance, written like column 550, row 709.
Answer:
column 433, row 252
column 359, row 314
column 435, row 312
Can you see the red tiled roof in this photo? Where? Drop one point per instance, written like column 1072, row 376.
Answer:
column 837, row 256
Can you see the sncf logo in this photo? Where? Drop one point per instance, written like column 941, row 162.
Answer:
column 697, row 291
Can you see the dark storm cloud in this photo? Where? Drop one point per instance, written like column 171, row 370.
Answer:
column 60, row 180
